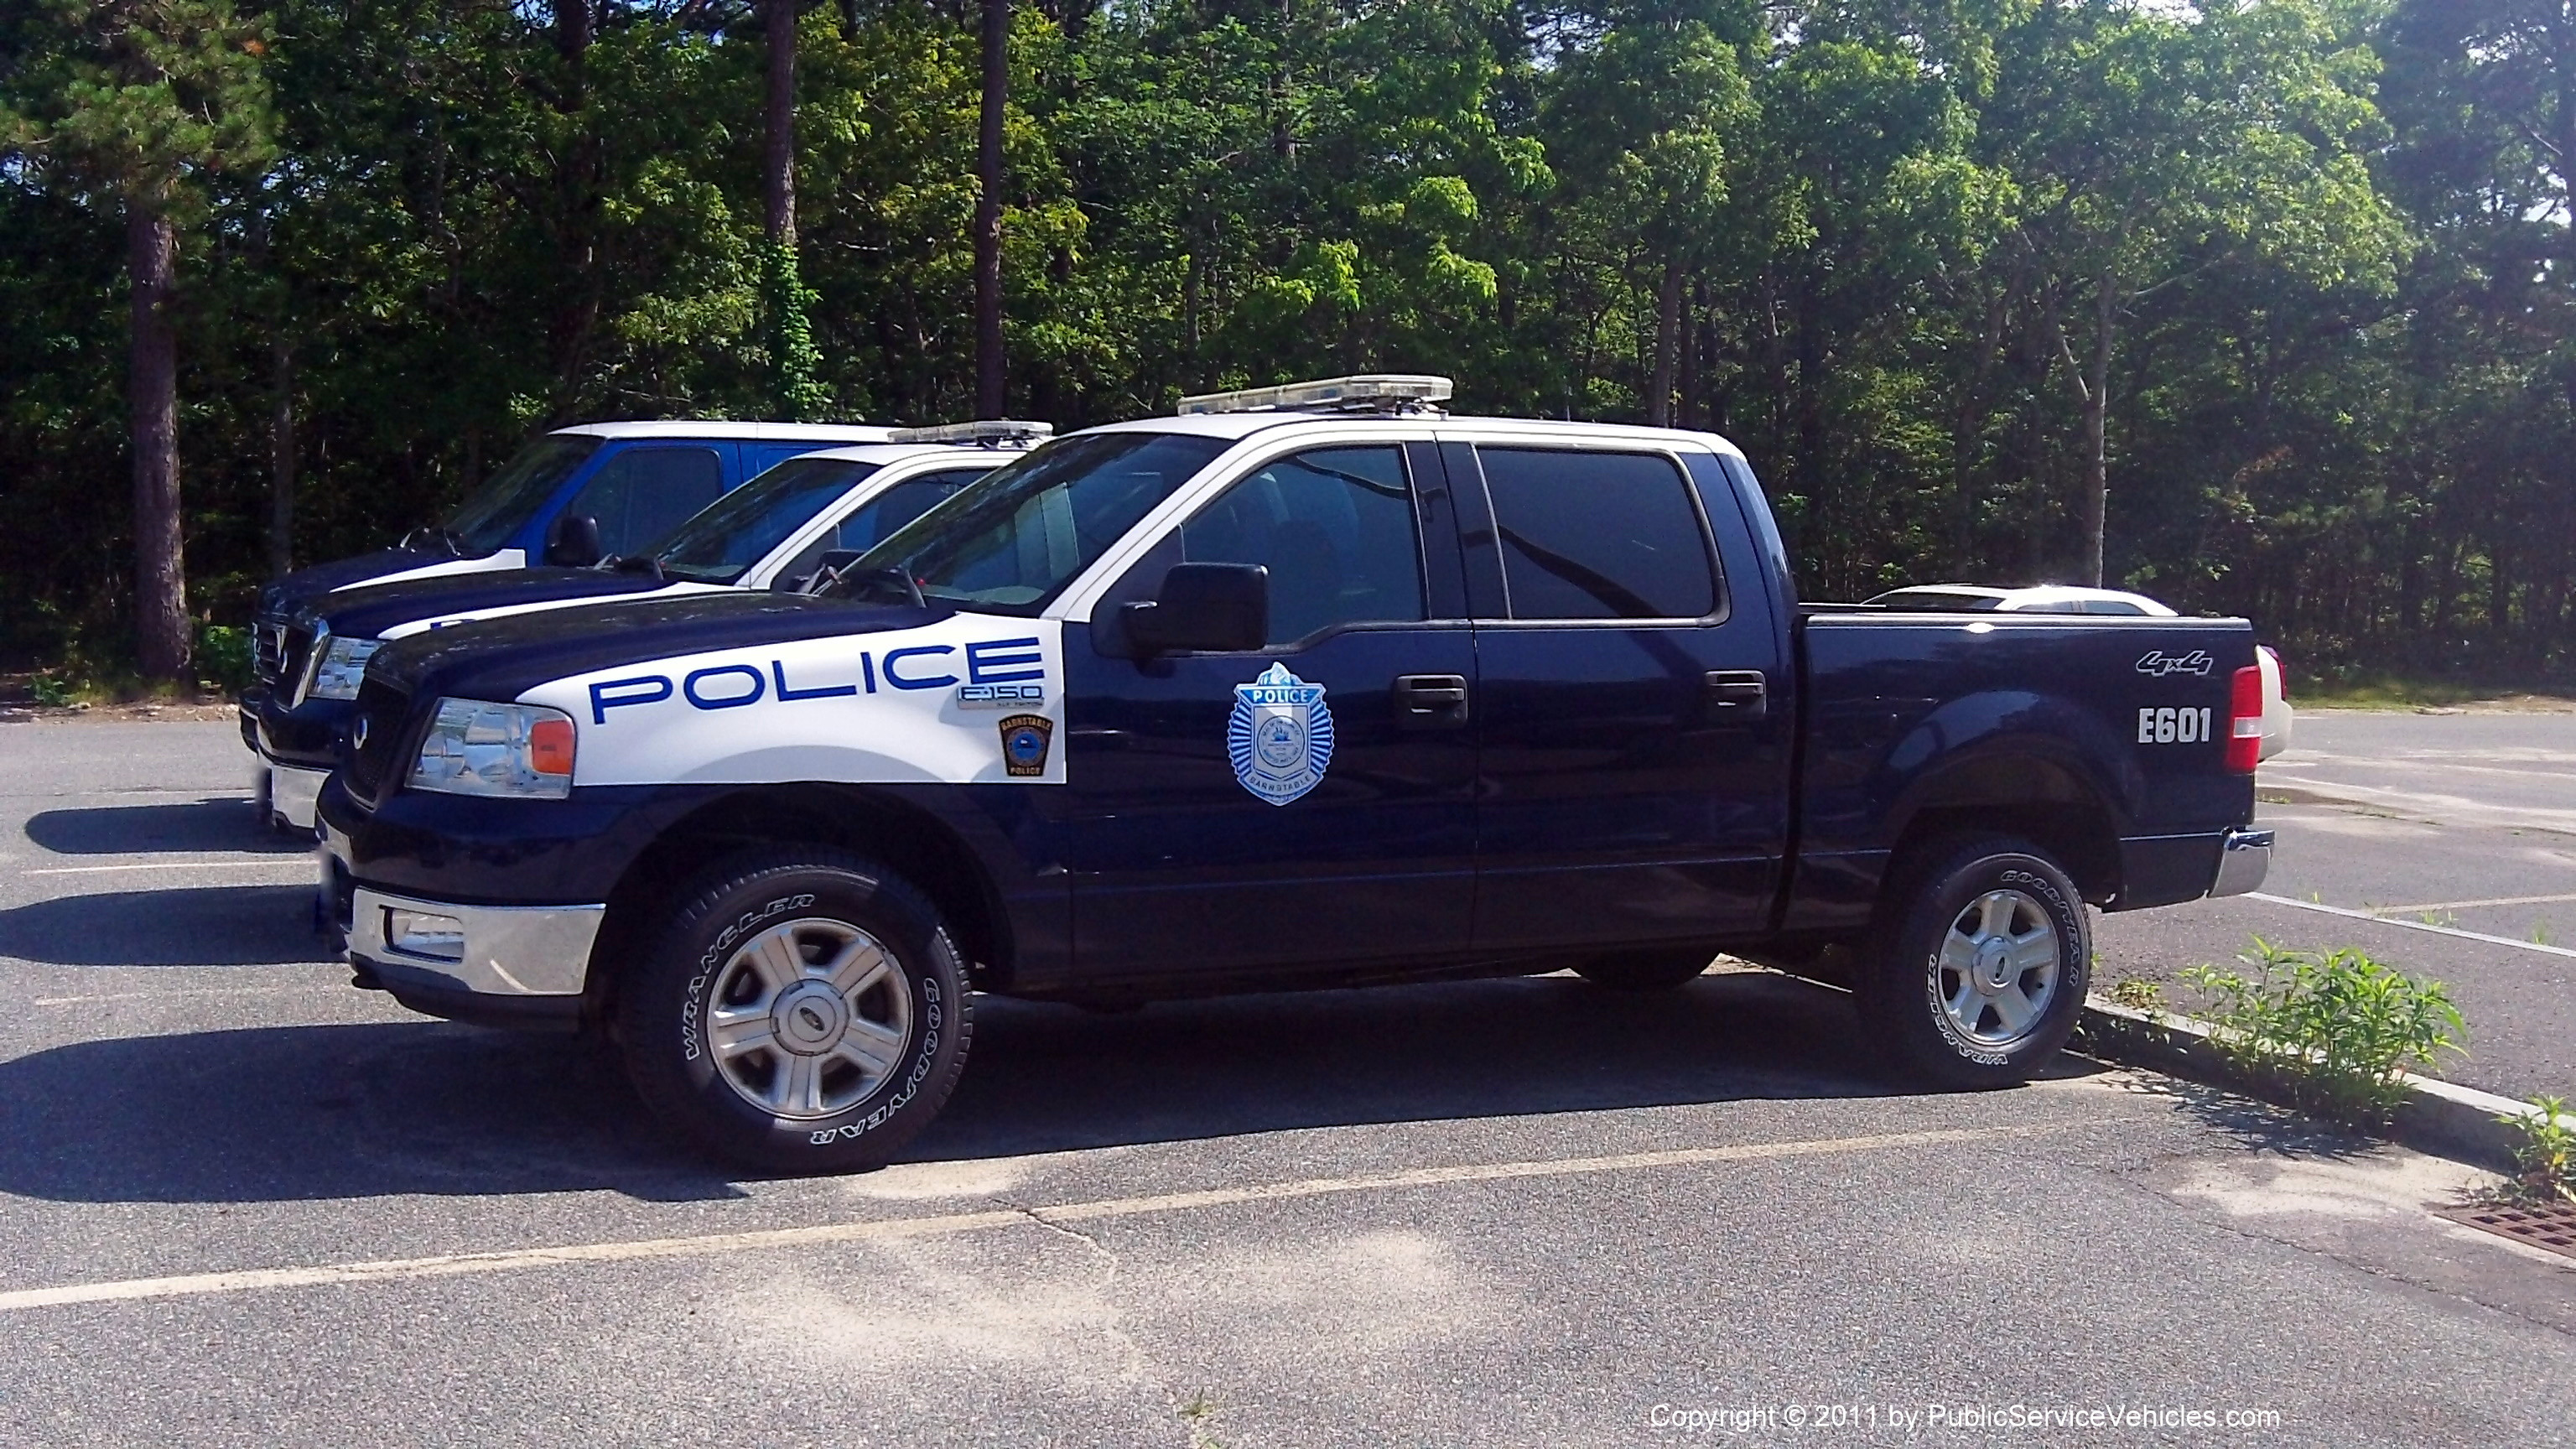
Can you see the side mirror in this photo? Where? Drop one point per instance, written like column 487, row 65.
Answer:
column 1217, row 607
column 572, row 541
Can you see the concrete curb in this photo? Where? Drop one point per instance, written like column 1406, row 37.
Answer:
column 2441, row 1118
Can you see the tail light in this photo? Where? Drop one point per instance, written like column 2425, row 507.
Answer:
column 2245, row 721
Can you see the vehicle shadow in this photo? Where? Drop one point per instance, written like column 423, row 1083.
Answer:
column 238, row 925
column 320, row 1112
column 217, row 822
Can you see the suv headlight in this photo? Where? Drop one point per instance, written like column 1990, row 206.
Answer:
column 478, row 748
column 340, row 666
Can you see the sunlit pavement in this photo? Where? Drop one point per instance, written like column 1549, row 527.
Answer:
column 243, row 1203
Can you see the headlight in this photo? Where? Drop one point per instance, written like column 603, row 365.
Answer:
column 478, row 748
column 339, row 668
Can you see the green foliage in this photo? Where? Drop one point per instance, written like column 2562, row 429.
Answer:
column 223, row 656
column 1868, row 241
column 796, row 390
column 2544, row 1153
column 2138, row 995
column 2340, row 1027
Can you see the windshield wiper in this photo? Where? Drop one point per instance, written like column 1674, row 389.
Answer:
column 420, row 540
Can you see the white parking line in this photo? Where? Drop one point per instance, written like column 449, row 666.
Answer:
column 297, row 863
column 456, row 1264
column 2410, row 925
column 2496, row 901
column 168, row 993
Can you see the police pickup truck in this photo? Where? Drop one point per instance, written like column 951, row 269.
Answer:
column 1306, row 686
column 773, row 531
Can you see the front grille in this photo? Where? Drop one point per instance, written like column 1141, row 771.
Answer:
column 268, row 649
column 385, row 711
column 295, row 642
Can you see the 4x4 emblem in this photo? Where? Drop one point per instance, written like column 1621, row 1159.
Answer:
column 2157, row 664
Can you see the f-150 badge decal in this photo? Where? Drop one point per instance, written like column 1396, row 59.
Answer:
column 1280, row 736
column 2155, row 663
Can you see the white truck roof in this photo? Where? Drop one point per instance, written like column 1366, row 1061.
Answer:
column 745, row 431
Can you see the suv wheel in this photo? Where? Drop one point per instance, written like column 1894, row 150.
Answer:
column 802, row 1012
column 1980, row 964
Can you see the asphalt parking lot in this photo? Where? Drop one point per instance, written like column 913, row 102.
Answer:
column 242, row 1203
column 2442, row 844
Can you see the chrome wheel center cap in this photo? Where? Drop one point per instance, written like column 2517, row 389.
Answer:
column 809, row 1019
column 1994, row 966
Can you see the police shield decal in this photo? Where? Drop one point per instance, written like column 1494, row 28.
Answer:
column 1280, row 736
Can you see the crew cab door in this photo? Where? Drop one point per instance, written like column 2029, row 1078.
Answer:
column 1632, row 702
column 1307, row 803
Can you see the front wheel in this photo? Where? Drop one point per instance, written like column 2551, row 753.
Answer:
column 802, row 1012
column 1980, row 964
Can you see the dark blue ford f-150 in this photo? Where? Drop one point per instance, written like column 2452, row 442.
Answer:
column 1302, row 687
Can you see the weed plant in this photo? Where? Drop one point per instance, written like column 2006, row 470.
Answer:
column 2339, row 1028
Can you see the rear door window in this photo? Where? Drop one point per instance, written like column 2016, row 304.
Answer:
column 1598, row 535
column 643, row 493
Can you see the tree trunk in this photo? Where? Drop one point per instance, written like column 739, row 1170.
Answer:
column 1668, row 320
column 281, row 456
column 1687, row 412
column 160, row 582
column 577, row 193
column 778, row 155
column 2097, row 474
column 989, row 374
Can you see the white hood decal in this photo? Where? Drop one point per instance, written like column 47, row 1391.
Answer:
column 971, row 699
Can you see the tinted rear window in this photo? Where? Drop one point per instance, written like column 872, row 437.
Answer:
column 1590, row 535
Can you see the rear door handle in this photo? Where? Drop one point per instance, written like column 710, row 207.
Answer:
column 1431, row 700
column 1737, row 696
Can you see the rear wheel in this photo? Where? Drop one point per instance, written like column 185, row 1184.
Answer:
column 1644, row 971
column 802, row 1012
column 1980, row 963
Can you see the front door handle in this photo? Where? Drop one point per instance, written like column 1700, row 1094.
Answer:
column 1737, row 696
column 1431, row 701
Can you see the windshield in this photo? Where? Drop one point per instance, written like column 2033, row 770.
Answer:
column 508, row 498
column 720, row 542
column 1008, row 543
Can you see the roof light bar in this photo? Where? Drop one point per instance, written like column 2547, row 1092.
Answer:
column 991, row 432
column 1391, row 391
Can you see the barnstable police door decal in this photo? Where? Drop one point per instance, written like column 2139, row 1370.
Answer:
column 1280, row 736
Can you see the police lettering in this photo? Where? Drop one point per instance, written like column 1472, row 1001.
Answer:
column 994, row 666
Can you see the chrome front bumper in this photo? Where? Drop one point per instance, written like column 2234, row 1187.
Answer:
column 289, row 793
column 508, row 951
column 2244, row 858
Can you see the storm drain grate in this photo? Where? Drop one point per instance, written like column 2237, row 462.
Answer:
column 2553, row 1228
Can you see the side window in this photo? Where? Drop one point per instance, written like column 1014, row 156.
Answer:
column 644, row 493
column 1335, row 528
column 1591, row 535
column 871, row 522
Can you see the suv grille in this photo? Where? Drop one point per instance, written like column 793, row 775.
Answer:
column 268, row 645
column 385, row 713
column 294, row 642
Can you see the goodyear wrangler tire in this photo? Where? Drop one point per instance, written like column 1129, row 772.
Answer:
column 1980, row 963
column 802, row 1012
